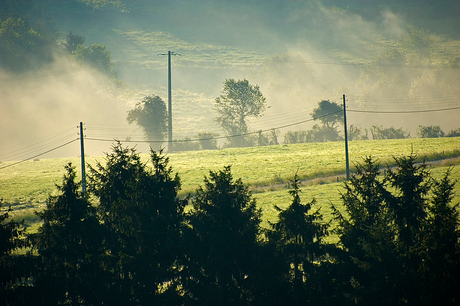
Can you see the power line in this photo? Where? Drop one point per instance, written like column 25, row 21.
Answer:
column 279, row 126
column 35, row 148
column 219, row 137
column 38, row 155
column 403, row 112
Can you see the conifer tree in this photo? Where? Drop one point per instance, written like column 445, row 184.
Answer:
column 441, row 265
column 369, row 263
column 142, row 216
column 299, row 235
column 223, row 241
column 68, row 246
column 11, row 272
column 400, row 245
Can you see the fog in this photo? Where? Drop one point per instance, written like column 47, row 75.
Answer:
column 42, row 110
column 298, row 52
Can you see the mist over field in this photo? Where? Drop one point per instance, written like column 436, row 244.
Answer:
column 387, row 57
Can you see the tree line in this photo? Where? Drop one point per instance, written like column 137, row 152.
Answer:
column 240, row 100
column 131, row 240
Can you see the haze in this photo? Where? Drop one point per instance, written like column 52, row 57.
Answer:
column 298, row 52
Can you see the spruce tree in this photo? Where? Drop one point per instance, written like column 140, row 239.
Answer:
column 68, row 246
column 368, row 263
column 13, row 268
column 142, row 217
column 299, row 235
column 223, row 241
column 441, row 244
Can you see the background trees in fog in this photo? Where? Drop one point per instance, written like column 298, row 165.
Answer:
column 238, row 101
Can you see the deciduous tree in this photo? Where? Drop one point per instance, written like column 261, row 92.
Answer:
column 151, row 115
column 238, row 101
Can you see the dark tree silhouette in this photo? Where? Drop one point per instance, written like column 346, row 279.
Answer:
column 400, row 246
column 369, row 262
column 442, row 244
column 223, row 242
column 142, row 216
column 299, row 235
column 329, row 113
column 151, row 115
column 13, row 268
column 68, row 245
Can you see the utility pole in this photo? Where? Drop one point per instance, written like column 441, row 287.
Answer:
column 346, row 138
column 83, row 174
column 170, row 144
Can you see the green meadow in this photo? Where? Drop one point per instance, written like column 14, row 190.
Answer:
column 266, row 170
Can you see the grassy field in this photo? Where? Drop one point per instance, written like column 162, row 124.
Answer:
column 266, row 170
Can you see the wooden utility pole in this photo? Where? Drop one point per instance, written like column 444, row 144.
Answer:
column 170, row 144
column 169, row 105
column 346, row 138
column 82, row 149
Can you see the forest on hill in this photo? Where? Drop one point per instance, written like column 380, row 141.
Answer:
column 396, row 62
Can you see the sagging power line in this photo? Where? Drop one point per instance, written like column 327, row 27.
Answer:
column 38, row 155
column 275, row 127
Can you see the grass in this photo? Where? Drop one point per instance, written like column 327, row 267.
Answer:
column 266, row 170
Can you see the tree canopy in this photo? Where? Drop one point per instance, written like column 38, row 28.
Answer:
column 329, row 113
column 131, row 241
column 151, row 115
column 238, row 101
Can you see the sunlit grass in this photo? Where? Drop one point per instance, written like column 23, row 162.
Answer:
column 267, row 171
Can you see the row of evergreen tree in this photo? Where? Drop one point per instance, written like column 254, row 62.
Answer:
column 134, row 241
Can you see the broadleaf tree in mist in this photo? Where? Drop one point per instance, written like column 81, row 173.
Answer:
column 72, row 41
column 96, row 56
column 330, row 114
column 22, row 47
column 238, row 101
column 151, row 115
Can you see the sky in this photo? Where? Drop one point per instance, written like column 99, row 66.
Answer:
column 297, row 52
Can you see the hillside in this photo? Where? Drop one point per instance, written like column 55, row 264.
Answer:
column 267, row 170
column 396, row 62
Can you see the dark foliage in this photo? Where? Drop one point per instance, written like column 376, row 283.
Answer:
column 13, row 268
column 223, row 241
column 142, row 219
column 95, row 56
column 397, row 242
column 151, row 115
column 329, row 113
column 298, row 237
column 69, row 246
